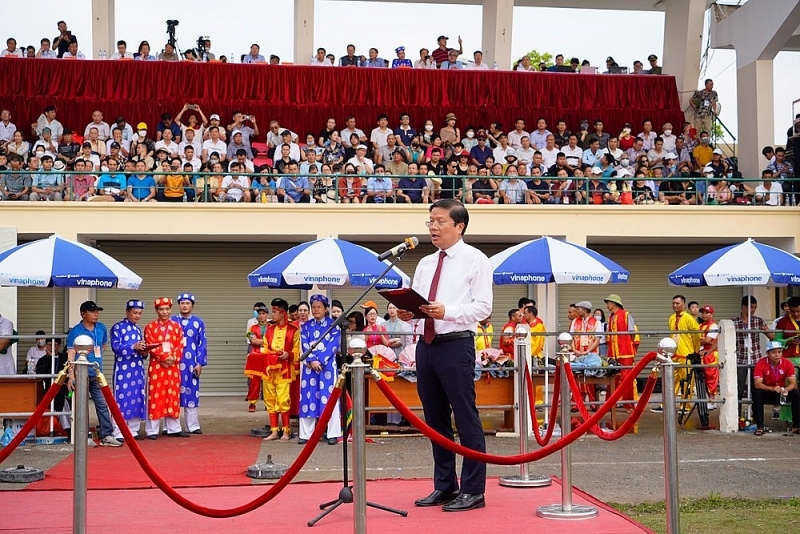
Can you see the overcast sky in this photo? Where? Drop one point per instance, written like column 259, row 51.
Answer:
column 235, row 24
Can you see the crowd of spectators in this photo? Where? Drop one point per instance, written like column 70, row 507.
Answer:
column 65, row 46
column 194, row 157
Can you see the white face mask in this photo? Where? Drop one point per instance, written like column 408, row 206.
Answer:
column 41, row 342
column 624, row 162
column 470, row 135
column 104, row 168
column 598, row 317
column 429, row 127
column 142, row 133
column 667, row 132
column 39, row 153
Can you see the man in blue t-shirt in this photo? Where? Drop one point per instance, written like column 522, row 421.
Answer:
column 92, row 327
column 112, row 186
column 141, row 187
column 293, row 188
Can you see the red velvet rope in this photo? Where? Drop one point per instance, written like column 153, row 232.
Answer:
column 551, row 421
column 32, row 421
column 629, row 422
column 223, row 512
column 565, row 440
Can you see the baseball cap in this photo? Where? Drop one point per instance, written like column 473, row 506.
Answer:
column 262, row 307
column 87, row 143
column 772, row 345
column 90, row 305
column 214, row 117
column 671, row 155
column 707, row 309
column 369, row 304
column 610, row 59
column 718, row 151
column 442, row 37
column 585, row 304
column 623, row 172
column 236, row 132
column 141, row 126
column 597, row 170
column 114, row 145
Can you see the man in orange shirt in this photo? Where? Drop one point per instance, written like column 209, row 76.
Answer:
column 622, row 347
column 164, row 392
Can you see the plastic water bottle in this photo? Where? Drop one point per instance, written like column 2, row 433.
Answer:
column 231, row 58
column 184, row 196
column 783, row 397
column 495, row 66
column 205, row 57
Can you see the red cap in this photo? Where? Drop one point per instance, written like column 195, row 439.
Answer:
column 707, row 309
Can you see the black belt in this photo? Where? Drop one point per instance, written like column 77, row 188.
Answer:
column 452, row 336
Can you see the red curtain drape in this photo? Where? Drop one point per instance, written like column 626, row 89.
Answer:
column 303, row 97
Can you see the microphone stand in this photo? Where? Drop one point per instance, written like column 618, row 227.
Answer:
column 346, row 493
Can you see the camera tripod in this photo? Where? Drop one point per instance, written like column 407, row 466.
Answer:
column 695, row 380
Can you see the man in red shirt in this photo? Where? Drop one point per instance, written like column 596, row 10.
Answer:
column 775, row 381
column 507, row 337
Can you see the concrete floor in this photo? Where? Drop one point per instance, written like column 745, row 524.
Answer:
column 627, row 470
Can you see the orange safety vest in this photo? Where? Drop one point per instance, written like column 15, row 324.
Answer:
column 623, row 345
column 578, row 326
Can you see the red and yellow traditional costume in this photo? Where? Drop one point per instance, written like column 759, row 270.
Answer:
column 623, row 348
column 266, row 369
column 711, row 357
column 164, row 391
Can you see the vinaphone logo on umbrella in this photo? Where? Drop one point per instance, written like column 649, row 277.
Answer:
column 22, row 281
column 588, row 278
column 267, row 280
column 525, row 278
column 744, row 279
column 93, row 282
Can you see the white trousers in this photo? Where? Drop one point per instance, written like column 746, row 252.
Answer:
column 134, row 424
column 307, row 424
column 153, row 426
column 192, row 417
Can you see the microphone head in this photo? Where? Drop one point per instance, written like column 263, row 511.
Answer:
column 412, row 242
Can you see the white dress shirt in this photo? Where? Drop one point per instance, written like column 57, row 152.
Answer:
column 465, row 287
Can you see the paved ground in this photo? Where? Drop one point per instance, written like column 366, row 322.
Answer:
column 628, row 470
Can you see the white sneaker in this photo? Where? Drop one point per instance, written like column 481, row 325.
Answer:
column 92, row 443
column 711, row 406
column 109, row 441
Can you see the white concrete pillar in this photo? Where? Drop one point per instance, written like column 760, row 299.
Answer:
column 728, row 389
column 303, row 31
column 8, row 295
column 683, row 40
column 756, row 109
column 103, row 27
column 498, row 17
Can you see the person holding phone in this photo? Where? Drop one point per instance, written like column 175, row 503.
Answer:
column 62, row 40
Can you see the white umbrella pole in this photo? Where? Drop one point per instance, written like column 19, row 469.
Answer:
column 546, row 372
column 749, row 411
column 53, row 355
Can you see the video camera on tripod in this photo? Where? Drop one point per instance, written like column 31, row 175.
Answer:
column 171, row 31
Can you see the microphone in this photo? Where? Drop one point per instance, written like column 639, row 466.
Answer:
column 407, row 244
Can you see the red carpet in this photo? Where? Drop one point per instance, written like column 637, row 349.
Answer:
column 507, row 510
column 182, row 462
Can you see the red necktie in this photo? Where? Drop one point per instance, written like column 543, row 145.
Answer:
column 428, row 332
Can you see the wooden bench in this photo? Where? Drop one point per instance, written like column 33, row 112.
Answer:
column 495, row 394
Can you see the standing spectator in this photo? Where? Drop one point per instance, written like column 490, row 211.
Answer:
column 351, row 59
column 442, row 53
column 62, row 40
column 130, row 351
column 622, row 347
column 748, row 346
column 704, row 104
column 783, row 171
column 195, row 358
column 92, row 327
column 7, row 128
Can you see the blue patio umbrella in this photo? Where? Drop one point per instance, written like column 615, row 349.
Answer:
column 328, row 263
column 747, row 264
column 546, row 260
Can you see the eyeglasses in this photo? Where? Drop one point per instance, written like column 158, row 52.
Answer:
column 437, row 224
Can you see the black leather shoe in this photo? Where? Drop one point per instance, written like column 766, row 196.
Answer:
column 152, row 436
column 302, row 441
column 179, row 435
column 332, row 441
column 137, row 437
column 464, row 502
column 437, row 498
column 198, row 431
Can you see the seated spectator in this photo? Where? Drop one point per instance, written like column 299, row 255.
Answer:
column 562, row 189
column 324, row 187
column 198, row 128
column 72, row 50
column 292, row 188
column 412, row 189
column 607, row 163
column 703, row 153
column 141, row 187
column 379, row 135
column 642, row 193
column 169, row 53
column 600, row 135
column 214, row 145
column 397, row 165
column 103, row 129
column 524, row 65
column 311, row 146
column 477, row 63
column 538, row 190
column 350, row 186
column 14, row 185
column 425, row 60
column 768, row 192
column 513, row 190
column 775, row 383
column 86, row 154
column 484, row 189
column 374, row 61
column 361, row 162
column 379, row 188
column 22, row 148
column 45, row 50
column 81, row 185
column 681, row 192
column 334, row 150
column 112, row 186
column 309, row 161
column 235, row 145
column 264, row 186
column 206, row 185
column 450, row 133
column 572, row 152
column 481, row 151
column 637, row 150
column 351, row 59
column 400, row 61
column 452, row 61
column 349, row 130
column 656, row 154
column 598, row 191
column 591, row 157
column 144, row 52
column 647, row 134
column 319, row 60
column 503, row 149
column 47, row 184
column 236, row 186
